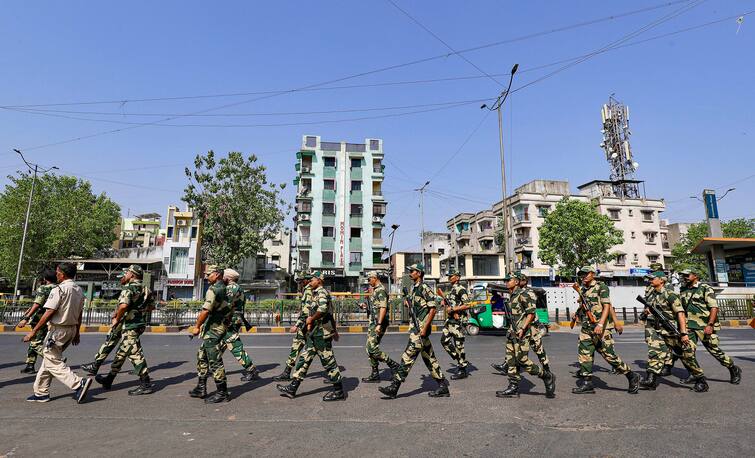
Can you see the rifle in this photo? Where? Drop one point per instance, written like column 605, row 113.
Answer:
column 412, row 315
column 662, row 320
column 368, row 302
column 584, row 306
column 443, row 300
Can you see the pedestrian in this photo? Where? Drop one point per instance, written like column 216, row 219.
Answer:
column 32, row 316
column 423, row 305
column 457, row 312
column 378, row 312
column 63, row 310
column 232, row 339
column 299, row 341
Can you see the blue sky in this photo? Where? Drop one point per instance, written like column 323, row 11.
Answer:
column 690, row 94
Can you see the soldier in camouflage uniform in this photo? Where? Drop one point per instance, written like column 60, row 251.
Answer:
column 231, row 338
column 32, row 316
column 299, row 341
column 652, row 337
column 133, row 304
column 598, row 336
column 669, row 304
column 523, row 303
column 213, row 322
column 699, row 301
column 457, row 306
column 319, row 331
column 378, row 313
column 423, row 303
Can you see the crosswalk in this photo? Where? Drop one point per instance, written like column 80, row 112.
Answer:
column 732, row 346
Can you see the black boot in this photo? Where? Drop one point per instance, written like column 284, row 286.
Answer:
column 442, row 391
column 634, row 382
column 666, row 371
column 105, row 380
column 145, row 387
column 550, row 384
column 584, row 386
column 250, row 375
column 390, row 391
column 650, row 382
column 28, row 369
column 337, row 394
column 220, row 394
column 502, row 367
column 511, row 391
column 374, row 376
column 285, row 376
column 461, row 373
column 91, row 368
column 701, row 385
column 736, row 375
column 546, row 367
column 199, row 391
column 289, row 390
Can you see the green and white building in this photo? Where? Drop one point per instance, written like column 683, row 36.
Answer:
column 340, row 209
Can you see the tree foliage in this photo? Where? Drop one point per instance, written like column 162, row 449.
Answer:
column 575, row 234
column 238, row 207
column 67, row 220
column 683, row 258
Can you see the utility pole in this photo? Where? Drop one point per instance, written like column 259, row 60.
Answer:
column 422, row 217
column 504, row 211
column 387, row 256
column 34, row 168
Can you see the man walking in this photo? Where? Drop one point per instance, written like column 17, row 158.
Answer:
column 32, row 316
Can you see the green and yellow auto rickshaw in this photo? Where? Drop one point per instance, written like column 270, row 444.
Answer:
column 488, row 308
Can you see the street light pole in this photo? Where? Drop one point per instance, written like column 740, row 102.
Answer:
column 34, row 169
column 422, row 217
column 504, row 211
column 388, row 257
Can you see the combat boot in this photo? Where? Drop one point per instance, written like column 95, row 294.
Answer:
column 650, row 382
column 250, row 375
column 550, row 384
column 29, row 369
column 390, row 391
column 585, row 387
column 501, row 367
column 736, row 375
column 666, row 371
column 634, row 382
column 91, row 368
column 285, row 376
column 442, row 391
column 199, row 391
column 701, row 385
column 461, row 373
column 220, row 394
column 289, row 390
column 512, row 391
column 105, row 380
column 374, row 376
column 145, row 387
column 337, row 394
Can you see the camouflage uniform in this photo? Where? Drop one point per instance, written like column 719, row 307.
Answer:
column 670, row 305
column 536, row 339
column 210, row 354
column 37, row 342
column 137, row 297
column 453, row 329
column 231, row 338
column 378, row 300
column 522, row 303
column 319, row 339
column 698, row 300
column 597, row 296
column 300, row 341
column 656, row 345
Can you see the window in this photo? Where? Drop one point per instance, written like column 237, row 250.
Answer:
column 303, row 259
column 329, row 185
column 486, row 244
column 355, row 258
column 414, row 258
column 194, row 231
column 170, row 232
column 621, row 260
column 311, row 142
column 377, row 257
column 356, row 163
column 356, row 209
column 179, row 260
column 275, row 259
column 647, row 216
column 329, row 161
column 328, row 208
column 378, row 209
column 630, row 212
column 377, row 233
column 356, row 232
column 542, row 210
column 485, row 265
column 356, row 185
column 650, row 237
column 328, row 231
column 374, row 144
column 632, row 234
column 441, row 251
column 485, row 225
column 327, row 257
column 635, row 258
column 652, row 258
column 614, row 214
column 304, row 207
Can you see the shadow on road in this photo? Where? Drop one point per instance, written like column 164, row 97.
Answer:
column 6, row 365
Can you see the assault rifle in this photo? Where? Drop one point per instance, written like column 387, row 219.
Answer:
column 247, row 325
column 443, row 300
column 412, row 315
column 585, row 308
column 662, row 320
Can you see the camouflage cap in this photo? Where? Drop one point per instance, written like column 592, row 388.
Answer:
column 318, row 274
column 587, row 270
column 212, row 268
column 373, row 274
column 688, row 271
column 520, row 275
column 230, row 275
column 133, row 268
column 656, row 266
column 658, row 274
column 508, row 277
column 453, row 272
column 417, row 266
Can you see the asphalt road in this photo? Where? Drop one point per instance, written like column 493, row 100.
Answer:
column 672, row 421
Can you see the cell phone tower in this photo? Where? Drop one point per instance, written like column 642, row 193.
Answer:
column 616, row 133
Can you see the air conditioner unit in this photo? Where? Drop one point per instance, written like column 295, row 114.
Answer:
column 304, row 217
column 180, row 222
column 377, row 219
column 306, row 169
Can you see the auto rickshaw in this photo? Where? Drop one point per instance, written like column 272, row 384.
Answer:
column 488, row 308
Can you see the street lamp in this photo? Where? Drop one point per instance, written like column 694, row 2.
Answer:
column 33, row 169
column 497, row 107
column 422, row 217
column 386, row 256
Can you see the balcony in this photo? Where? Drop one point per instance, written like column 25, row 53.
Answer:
column 666, row 246
column 523, row 241
column 464, row 235
column 518, row 220
column 486, row 234
column 304, row 241
column 377, row 243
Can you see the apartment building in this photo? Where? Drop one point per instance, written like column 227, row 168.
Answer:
column 403, row 259
column 339, row 209
column 473, row 249
column 182, row 257
column 140, row 231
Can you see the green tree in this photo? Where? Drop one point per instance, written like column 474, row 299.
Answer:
column 575, row 234
column 238, row 207
column 67, row 220
column 683, row 258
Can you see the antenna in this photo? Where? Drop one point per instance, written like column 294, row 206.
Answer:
column 616, row 133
